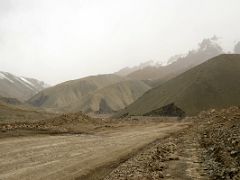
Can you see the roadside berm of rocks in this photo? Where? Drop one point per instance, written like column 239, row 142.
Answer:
column 208, row 149
column 220, row 138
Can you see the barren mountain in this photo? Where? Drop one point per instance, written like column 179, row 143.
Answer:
column 62, row 96
column 208, row 48
column 98, row 94
column 21, row 88
column 213, row 84
column 112, row 98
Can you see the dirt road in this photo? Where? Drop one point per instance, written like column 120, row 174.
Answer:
column 71, row 156
column 171, row 158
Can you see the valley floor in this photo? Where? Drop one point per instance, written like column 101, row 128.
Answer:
column 203, row 147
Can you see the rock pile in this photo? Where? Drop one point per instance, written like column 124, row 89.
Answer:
column 209, row 148
column 148, row 164
column 220, row 137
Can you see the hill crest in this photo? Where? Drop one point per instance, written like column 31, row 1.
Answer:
column 212, row 84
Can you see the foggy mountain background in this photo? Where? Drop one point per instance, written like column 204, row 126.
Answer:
column 237, row 48
column 58, row 40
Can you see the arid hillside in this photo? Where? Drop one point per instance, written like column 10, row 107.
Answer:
column 95, row 94
column 111, row 98
column 213, row 84
column 65, row 94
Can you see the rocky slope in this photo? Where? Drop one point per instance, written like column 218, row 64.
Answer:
column 220, row 137
column 207, row 149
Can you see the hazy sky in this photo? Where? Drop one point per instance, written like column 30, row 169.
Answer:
column 58, row 40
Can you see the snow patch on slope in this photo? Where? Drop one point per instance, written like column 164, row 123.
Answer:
column 26, row 81
column 3, row 76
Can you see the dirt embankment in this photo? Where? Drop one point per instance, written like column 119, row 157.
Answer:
column 74, row 123
column 175, row 157
column 220, row 138
column 210, row 149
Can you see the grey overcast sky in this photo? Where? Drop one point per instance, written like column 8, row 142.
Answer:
column 58, row 40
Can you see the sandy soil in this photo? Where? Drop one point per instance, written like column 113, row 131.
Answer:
column 73, row 156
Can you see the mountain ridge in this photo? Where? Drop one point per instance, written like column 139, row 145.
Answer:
column 99, row 94
column 21, row 88
column 207, row 49
column 212, row 84
column 69, row 92
column 112, row 98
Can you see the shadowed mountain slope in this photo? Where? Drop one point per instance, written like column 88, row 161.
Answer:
column 63, row 96
column 112, row 98
column 213, row 84
column 13, row 101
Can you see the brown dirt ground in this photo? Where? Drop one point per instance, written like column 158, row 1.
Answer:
column 69, row 156
column 208, row 149
column 77, row 147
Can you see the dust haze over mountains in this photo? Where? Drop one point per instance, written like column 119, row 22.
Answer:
column 130, row 89
column 55, row 41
